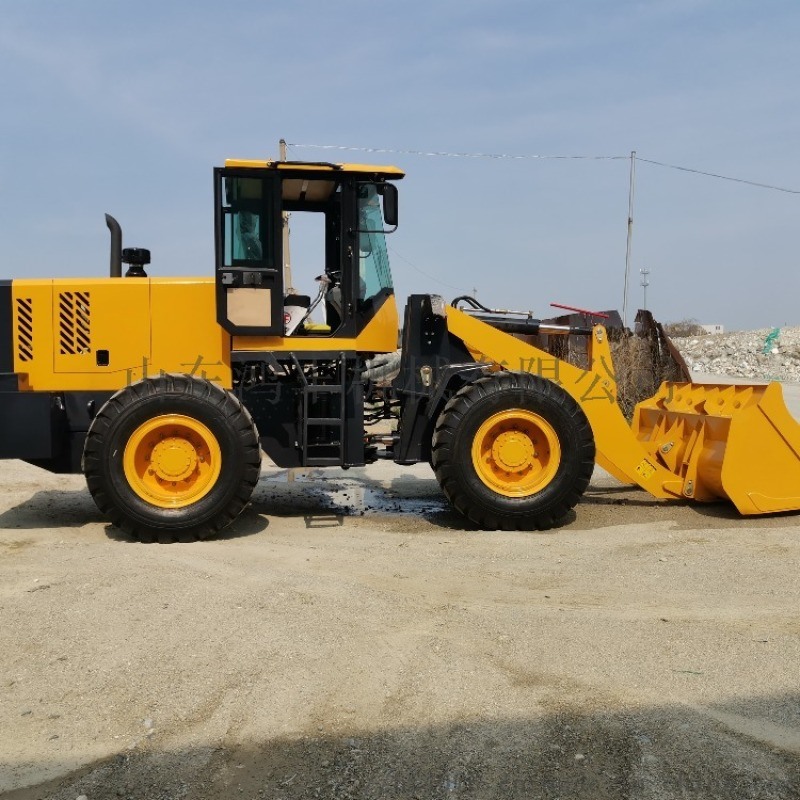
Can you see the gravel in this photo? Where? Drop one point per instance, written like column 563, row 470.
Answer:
column 758, row 354
column 645, row 650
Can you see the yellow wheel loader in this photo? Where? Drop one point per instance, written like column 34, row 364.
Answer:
column 165, row 391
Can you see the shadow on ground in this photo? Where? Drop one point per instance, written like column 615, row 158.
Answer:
column 53, row 508
column 327, row 499
column 624, row 505
column 654, row 753
column 61, row 508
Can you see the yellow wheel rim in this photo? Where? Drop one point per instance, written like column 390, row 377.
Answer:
column 172, row 461
column 516, row 453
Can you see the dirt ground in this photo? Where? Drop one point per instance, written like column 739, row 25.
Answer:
column 351, row 638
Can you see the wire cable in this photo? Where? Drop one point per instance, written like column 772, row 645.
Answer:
column 542, row 157
column 422, row 272
column 440, row 154
column 720, row 177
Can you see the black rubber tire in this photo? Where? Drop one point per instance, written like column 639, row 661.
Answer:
column 458, row 425
column 219, row 411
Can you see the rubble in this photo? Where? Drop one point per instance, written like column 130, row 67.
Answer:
column 759, row 355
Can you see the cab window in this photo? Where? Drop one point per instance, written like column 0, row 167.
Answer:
column 249, row 226
column 373, row 267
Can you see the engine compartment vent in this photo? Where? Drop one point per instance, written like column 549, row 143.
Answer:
column 74, row 323
column 25, row 328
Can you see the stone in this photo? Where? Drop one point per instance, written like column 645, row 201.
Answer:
column 741, row 354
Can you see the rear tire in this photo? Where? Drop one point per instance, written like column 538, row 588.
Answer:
column 513, row 451
column 172, row 456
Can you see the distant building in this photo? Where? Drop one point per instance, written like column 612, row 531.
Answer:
column 713, row 328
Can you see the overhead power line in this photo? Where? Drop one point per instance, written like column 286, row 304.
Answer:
column 720, row 177
column 546, row 157
column 422, row 272
column 442, row 154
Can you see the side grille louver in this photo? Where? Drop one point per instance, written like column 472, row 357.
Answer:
column 25, row 328
column 74, row 325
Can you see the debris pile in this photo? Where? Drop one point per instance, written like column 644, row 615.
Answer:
column 766, row 354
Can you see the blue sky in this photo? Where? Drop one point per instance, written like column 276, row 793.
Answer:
column 125, row 107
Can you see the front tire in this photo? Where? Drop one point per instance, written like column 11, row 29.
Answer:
column 513, row 451
column 172, row 456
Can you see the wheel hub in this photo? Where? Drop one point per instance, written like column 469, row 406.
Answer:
column 516, row 452
column 513, row 451
column 174, row 459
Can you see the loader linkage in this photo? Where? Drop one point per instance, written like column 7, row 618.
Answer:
column 691, row 441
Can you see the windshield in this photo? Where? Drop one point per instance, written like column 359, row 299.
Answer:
column 373, row 268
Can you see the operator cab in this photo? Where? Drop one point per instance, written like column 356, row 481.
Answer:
column 354, row 203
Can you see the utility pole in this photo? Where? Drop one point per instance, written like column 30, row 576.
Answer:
column 631, row 191
column 287, row 256
column 644, row 283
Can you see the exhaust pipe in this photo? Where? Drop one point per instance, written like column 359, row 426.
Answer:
column 115, row 267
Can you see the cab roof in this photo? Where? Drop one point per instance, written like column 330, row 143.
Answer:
column 384, row 171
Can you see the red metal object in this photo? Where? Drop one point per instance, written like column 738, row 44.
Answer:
column 585, row 311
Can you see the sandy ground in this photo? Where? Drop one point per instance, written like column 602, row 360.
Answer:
column 350, row 638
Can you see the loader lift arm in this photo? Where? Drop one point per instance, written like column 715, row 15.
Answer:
column 691, row 441
column 618, row 450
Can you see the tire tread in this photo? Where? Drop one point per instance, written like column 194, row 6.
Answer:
column 237, row 417
column 448, row 468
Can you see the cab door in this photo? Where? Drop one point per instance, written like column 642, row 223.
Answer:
column 249, row 274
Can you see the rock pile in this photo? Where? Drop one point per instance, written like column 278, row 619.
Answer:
column 742, row 354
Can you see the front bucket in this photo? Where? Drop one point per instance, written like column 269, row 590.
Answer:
column 724, row 442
